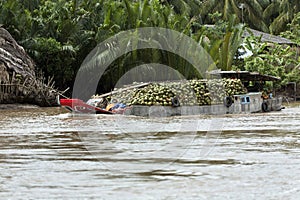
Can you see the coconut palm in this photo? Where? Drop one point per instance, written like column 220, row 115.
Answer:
column 268, row 16
column 131, row 15
column 286, row 9
column 248, row 11
column 223, row 48
column 293, row 31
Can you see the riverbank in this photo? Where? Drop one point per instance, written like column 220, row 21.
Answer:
column 17, row 106
column 14, row 109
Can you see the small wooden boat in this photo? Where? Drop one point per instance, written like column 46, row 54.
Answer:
column 91, row 106
column 79, row 106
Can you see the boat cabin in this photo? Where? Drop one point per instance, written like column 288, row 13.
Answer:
column 255, row 84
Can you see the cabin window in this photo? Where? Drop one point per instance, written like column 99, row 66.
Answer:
column 248, row 99
column 245, row 100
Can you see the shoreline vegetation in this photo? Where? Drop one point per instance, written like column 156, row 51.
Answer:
column 43, row 43
column 18, row 80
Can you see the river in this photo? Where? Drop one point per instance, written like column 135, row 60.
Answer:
column 47, row 153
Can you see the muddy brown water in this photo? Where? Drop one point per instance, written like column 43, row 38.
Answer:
column 47, row 153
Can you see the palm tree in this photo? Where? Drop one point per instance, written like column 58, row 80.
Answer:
column 284, row 14
column 223, row 48
column 144, row 14
column 268, row 16
column 293, row 32
column 247, row 11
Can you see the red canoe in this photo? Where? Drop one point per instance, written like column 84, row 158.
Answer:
column 78, row 106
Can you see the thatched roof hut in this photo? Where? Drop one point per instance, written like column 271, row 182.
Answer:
column 18, row 80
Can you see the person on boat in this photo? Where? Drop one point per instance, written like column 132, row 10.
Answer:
column 115, row 106
column 270, row 94
column 112, row 103
column 264, row 95
column 109, row 106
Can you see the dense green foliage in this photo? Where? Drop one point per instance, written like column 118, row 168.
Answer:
column 59, row 34
column 272, row 59
column 293, row 31
column 265, row 15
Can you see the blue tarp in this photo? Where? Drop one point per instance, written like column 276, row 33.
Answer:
column 118, row 105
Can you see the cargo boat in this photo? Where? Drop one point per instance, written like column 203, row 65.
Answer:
column 247, row 103
column 251, row 102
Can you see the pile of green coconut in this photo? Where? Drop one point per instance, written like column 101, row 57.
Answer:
column 186, row 93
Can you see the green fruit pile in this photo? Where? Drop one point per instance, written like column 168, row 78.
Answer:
column 125, row 96
column 154, row 94
column 220, row 88
column 191, row 92
column 234, row 87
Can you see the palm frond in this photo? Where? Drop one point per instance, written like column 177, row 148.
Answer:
column 272, row 10
column 279, row 23
column 254, row 7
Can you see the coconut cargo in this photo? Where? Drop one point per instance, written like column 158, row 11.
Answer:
column 191, row 97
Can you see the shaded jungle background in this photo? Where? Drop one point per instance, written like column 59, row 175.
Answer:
column 58, row 35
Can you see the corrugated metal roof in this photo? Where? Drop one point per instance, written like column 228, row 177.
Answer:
column 266, row 37
column 244, row 75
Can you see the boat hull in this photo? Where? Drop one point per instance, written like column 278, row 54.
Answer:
column 247, row 103
column 79, row 106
